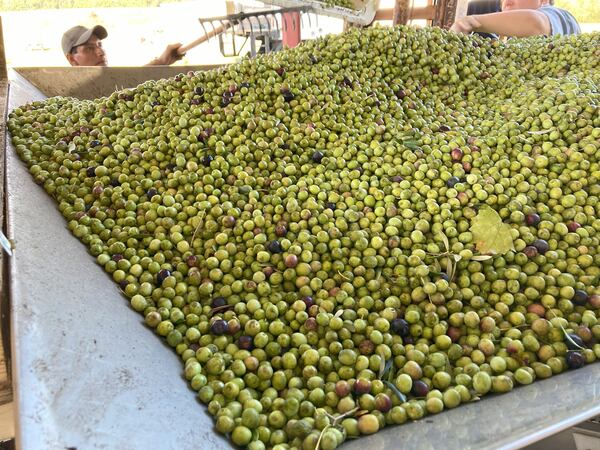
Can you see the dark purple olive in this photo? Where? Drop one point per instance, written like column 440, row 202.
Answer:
column 530, row 251
column 575, row 360
column 244, row 84
column 219, row 327
column 397, row 179
column 317, row 156
column 288, row 96
column 117, row 257
column 156, row 103
column 94, row 143
column 274, row 247
column 362, row 386
column 444, row 128
column 280, row 71
column 123, row 284
column 91, row 171
column 541, row 245
column 280, row 230
column 246, row 342
column 574, row 342
column 114, row 182
column 225, row 101
column 199, row 90
column 218, row 302
column 532, row 219
column 580, row 298
column 313, row 59
column 195, row 101
column 420, row 388
column 151, row 192
column 452, row 181
column 206, row 160
column 308, row 301
column 400, row 327
column 401, row 93
column 161, row 275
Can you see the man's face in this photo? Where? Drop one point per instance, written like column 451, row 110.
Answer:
column 508, row 5
column 88, row 54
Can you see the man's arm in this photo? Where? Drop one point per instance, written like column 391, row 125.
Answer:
column 168, row 57
column 518, row 23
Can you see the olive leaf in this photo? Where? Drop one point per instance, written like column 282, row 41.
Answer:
column 567, row 337
column 396, row 391
column 570, row 339
column 480, row 257
column 382, row 367
column 339, row 313
column 445, row 241
column 343, row 276
column 449, row 268
column 491, row 235
column 411, row 145
column 200, row 224
column 387, row 368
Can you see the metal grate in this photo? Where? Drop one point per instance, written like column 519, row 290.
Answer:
column 266, row 25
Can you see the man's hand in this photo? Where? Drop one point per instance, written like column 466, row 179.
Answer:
column 518, row 23
column 466, row 25
column 168, row 57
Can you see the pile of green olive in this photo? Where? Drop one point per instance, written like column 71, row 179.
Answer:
column 299, row 226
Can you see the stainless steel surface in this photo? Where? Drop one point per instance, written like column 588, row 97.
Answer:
column 90, row 375
column 362, row 15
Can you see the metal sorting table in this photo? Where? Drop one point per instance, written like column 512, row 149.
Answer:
column 88, row 374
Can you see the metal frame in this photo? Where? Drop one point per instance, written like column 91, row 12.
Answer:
column 253, row 25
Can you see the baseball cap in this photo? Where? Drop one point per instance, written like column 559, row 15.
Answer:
column 79, row 35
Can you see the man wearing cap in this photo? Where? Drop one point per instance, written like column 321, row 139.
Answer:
column 83, row 47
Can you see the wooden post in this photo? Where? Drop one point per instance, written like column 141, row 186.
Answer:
column 401, row 12
column 3, row 72
column 447, row 11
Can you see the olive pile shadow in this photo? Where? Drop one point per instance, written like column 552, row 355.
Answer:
column 288, row 223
